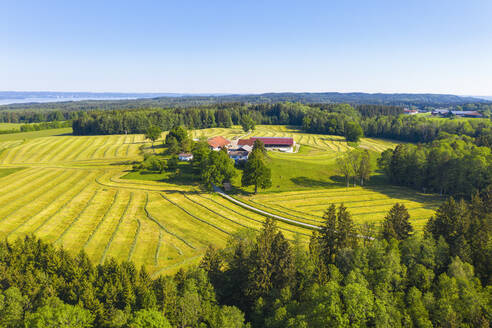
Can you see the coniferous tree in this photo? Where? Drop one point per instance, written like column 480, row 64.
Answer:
column 397, row 224
column 256, row 172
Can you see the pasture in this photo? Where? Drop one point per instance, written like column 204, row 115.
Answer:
column 69, row 190
column 10, row 126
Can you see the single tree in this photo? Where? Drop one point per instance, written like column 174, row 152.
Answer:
column 179, row 132
column 219, row 168
column 337, row 233
column 256, row 173
column 354, row 158
column 353, row 132
column 364, row 169
column 247, row 123
column 172, row 145
column 260, row 146
column 271, row 262
column 201, row 151
column 397, row 224
column 153, row 133
column 172, row 163
column 149, row 318
column 344, row 167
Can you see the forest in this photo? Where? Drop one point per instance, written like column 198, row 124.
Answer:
column 374, row 121
column 453, row 165
column 183, row 101
column 387, row 277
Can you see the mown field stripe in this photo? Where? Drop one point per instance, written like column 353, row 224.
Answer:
column 37, row 192
column 63, row 206
column 216, row 213
column 249, row 218
column 283, row 212
column 26, row 221
column 24, row 195
column 93, row 232
column 89, row 202
column 100, row 147
column 26, row 148
column 134, row 243
column 115, row 231
column 12, row 180
column 158, row 248
column 150, row 217
column 194, row 216
column 72, row 155
column 290, row 209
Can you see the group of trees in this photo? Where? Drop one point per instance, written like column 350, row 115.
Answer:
column 43, row 286
column 452, row 165
column 397, row 279
column 38, row 116
column 355, row 164
column 39, row 126
column 178, row 140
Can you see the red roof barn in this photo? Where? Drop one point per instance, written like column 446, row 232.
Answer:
column 218, row 142
column 268, row 142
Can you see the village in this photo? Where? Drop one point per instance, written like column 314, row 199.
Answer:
column 239, row 149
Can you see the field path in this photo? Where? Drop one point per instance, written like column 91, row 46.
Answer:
column 254, row 209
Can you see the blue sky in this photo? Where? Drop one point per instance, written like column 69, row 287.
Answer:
column 247, row 46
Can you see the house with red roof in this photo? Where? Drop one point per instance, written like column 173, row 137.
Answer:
column 218, row 142
column 282, row 144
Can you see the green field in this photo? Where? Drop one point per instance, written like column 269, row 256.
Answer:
column 71, row 192
column 10, row 126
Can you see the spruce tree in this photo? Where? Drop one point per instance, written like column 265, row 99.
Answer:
column 397, row 224
column 256, row 172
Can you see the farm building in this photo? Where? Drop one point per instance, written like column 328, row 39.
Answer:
column 283, row 144
column 239, row 155
column 217, row 143
column 185, row 157
column 410, row 111
column 460, row 113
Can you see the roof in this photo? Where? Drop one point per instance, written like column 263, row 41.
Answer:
column 238, row 153
column 467, row 113
column 247, row 148
column 185, row 155
column 218, row 142
column 267, row 141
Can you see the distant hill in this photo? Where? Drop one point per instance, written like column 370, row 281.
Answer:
column 184, row 100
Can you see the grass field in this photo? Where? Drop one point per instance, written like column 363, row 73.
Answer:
column 10, row 126
column 69, row 190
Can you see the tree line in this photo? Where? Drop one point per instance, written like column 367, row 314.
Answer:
column 452, row 165
column 338, row 119
column 347, row 276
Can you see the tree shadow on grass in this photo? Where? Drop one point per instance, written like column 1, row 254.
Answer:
column 428, row 201
column 308, row 182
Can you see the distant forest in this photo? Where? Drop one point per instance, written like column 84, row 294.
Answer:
column 400, row 99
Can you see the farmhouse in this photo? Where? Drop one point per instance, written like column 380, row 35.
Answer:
column 185, row 157
column 407, row 111
column 239, row 155
column 217, row 143
column 460, row 113
column 282, row 144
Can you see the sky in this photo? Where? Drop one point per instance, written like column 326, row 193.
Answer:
column 412, row 46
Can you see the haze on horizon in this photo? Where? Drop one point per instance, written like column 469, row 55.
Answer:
column 254, row 47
